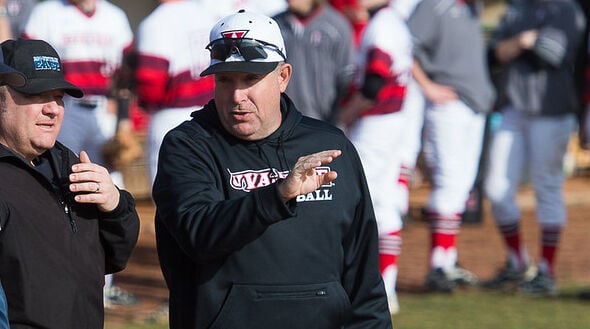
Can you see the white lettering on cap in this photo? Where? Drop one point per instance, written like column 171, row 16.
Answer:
column 43, row 63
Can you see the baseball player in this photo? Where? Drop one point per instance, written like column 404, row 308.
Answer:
column 319, row 41
column 450, row 68
column 413, row 105
column 90, row 37
column 536, row 43
column 170, row 58
column 384, row 64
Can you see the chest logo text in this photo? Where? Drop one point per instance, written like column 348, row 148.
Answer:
column 248, row 180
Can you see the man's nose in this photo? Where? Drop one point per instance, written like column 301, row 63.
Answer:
column 52, row 108
column 239, row 94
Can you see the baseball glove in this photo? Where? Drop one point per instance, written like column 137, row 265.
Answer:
column 122, row 149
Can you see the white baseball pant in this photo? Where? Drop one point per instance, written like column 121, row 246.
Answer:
column 534, row 146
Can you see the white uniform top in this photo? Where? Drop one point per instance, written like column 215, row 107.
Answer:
column 177, row 32
column 90, row 46
column 171, row 46
column 171, row 55
column 388, row 32
column 386, row 49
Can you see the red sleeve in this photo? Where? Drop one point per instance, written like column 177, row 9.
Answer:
column 152, row 79
column 379, row 62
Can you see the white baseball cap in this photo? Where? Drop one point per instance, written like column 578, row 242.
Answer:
column 245, row 42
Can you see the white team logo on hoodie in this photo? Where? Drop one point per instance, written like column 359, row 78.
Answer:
column 249, row 180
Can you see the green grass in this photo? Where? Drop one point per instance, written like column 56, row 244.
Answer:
column 487, row 310
column 475, row 309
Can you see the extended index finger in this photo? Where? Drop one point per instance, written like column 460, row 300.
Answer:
column 329, row 155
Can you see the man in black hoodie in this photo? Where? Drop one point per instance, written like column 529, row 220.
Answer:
column 264, row 218
column 63, row 223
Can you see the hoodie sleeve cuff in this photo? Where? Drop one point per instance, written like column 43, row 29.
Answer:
column 122, row 208
column 270, row 207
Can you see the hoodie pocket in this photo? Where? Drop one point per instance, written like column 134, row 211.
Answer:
column 321, row 305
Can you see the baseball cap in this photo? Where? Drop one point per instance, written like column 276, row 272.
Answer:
column 40, row 64
column 245, row 42
column 8, row 75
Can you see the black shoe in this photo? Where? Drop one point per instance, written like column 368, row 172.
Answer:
column 507, row 279
column 436, row 281
column 542, row 285
column 584, row 295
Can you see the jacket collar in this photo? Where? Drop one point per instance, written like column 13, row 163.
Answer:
column 57, row 153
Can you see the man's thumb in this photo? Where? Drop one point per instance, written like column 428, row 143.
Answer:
column 84, row 158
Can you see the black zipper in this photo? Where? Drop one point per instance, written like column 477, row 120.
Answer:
column 322, row 292
column 69, row 213
column 62, row 173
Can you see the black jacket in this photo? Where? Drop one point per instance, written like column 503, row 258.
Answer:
column 235, row 256
column 54, row 252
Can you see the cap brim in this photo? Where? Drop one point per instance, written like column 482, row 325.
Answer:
column 243, row 67
column 10, row 76
column 39, row 86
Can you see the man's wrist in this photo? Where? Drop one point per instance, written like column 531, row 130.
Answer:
column 281, row 191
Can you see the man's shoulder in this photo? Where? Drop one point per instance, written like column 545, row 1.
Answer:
column 203, row 124
column 320, row 127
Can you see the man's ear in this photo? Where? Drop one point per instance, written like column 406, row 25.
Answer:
column 285, row 71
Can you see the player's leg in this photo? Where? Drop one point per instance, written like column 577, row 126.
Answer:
column 549, row 138
column 506, row 160
column 376, row 138
column 453, row 137
column 413, row 109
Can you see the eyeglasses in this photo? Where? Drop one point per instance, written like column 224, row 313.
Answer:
column 250, row 49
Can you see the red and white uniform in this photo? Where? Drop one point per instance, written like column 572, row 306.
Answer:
column 385, row 50
column 379, row 130
column 91, row 48
column 171, row 47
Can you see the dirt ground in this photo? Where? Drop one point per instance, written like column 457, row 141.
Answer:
column 480, row 250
